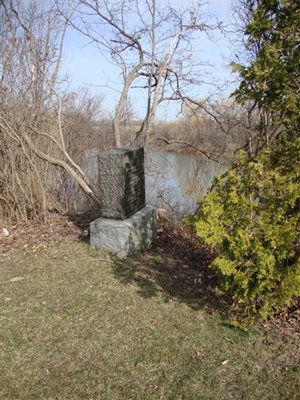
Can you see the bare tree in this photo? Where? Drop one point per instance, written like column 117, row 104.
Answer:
column 152, row 43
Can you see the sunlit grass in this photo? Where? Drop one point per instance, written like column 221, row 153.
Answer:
column 81, row 325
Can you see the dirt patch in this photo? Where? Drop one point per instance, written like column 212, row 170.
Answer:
column 33, row 234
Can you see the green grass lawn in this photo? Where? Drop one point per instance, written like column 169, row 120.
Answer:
column 81, row 325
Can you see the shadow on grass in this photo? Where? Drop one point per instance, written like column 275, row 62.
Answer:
column 175, row 267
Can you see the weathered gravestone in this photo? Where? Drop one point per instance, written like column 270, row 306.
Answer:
column 121, row 182
column 126, row 225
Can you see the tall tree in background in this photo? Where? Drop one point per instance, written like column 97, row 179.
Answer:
column 153, row 44
column 252, row 216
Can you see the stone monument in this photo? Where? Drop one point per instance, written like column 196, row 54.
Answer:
column 126, row 225
column 121, row 182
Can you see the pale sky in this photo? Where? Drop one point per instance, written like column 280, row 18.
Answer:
column 86, row 67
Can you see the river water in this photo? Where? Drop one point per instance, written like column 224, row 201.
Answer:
column 174, row 181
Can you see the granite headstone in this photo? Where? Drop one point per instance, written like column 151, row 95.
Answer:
column 121, row 182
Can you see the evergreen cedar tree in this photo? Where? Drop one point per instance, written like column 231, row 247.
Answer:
column 251, row 217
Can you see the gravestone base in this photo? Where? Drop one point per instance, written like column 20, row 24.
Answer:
column 124, row 237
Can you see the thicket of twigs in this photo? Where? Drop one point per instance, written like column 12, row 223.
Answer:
column 29, row 69
column 34, row 154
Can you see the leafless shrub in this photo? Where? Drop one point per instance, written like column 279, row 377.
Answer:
column 31, row 130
